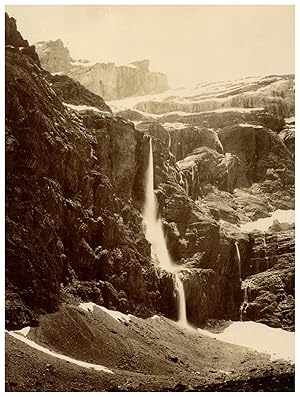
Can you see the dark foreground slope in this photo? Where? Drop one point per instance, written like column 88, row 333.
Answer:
column 144, row 355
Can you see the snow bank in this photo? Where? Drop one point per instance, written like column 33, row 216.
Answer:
column 188, row 162
column 289, row 120
column 238, row 110
column 155, row 317
column 246, row 125
column 175, row 126
column 84, row 107
column 83, row 64
column 87, row 306
column 121, row 317
column 278, row 343
column 24, row 331
column 57, row 73
column 43, row 349
column 263, row 224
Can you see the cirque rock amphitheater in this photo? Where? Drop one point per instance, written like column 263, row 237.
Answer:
column 149, row 230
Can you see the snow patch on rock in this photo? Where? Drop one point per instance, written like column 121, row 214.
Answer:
column 121, row 317
column 84, row 107
column 263, row 224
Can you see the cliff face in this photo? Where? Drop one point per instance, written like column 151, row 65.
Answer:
column 276, row 94
column 236, row 162
column 105, row 79
column 75, row 190
column 15, row 41
column 112, row 82
column 70, row 182
column 269, row 291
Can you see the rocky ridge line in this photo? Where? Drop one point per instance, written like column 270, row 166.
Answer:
column 108, row 80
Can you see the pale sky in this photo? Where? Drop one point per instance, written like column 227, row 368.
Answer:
column 188, row 43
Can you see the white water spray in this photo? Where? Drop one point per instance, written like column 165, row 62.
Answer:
column 155, row 235
column 246, row 284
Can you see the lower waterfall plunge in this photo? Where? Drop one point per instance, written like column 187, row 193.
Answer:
column 155, row 235
column 246, row 284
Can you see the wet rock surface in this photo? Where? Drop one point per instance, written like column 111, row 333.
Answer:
column 74, row 93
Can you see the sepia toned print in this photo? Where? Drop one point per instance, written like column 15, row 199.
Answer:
column 150, row 195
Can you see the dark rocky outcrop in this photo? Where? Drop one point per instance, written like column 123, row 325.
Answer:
column 263, row 153
column 12, row 36
column 288, row 137
column 270, row 279
column 70, row 179
column 184, row 138
column 74, row 93
column 15, row 42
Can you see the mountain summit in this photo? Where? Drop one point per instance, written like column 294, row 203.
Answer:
column 109, row 80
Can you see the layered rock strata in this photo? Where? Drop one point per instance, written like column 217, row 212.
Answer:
column 108, row 80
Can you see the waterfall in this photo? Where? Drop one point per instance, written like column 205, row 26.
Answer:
column 170, row 142
column 155, row 235
column 182, row 319
column 264, row 242
column 245, row 287
column 265, row 249
column 187, row 188
column 193, row 173
column 238, row 258
column 181, row 179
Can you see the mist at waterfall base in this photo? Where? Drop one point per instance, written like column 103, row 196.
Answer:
column 155, row 235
